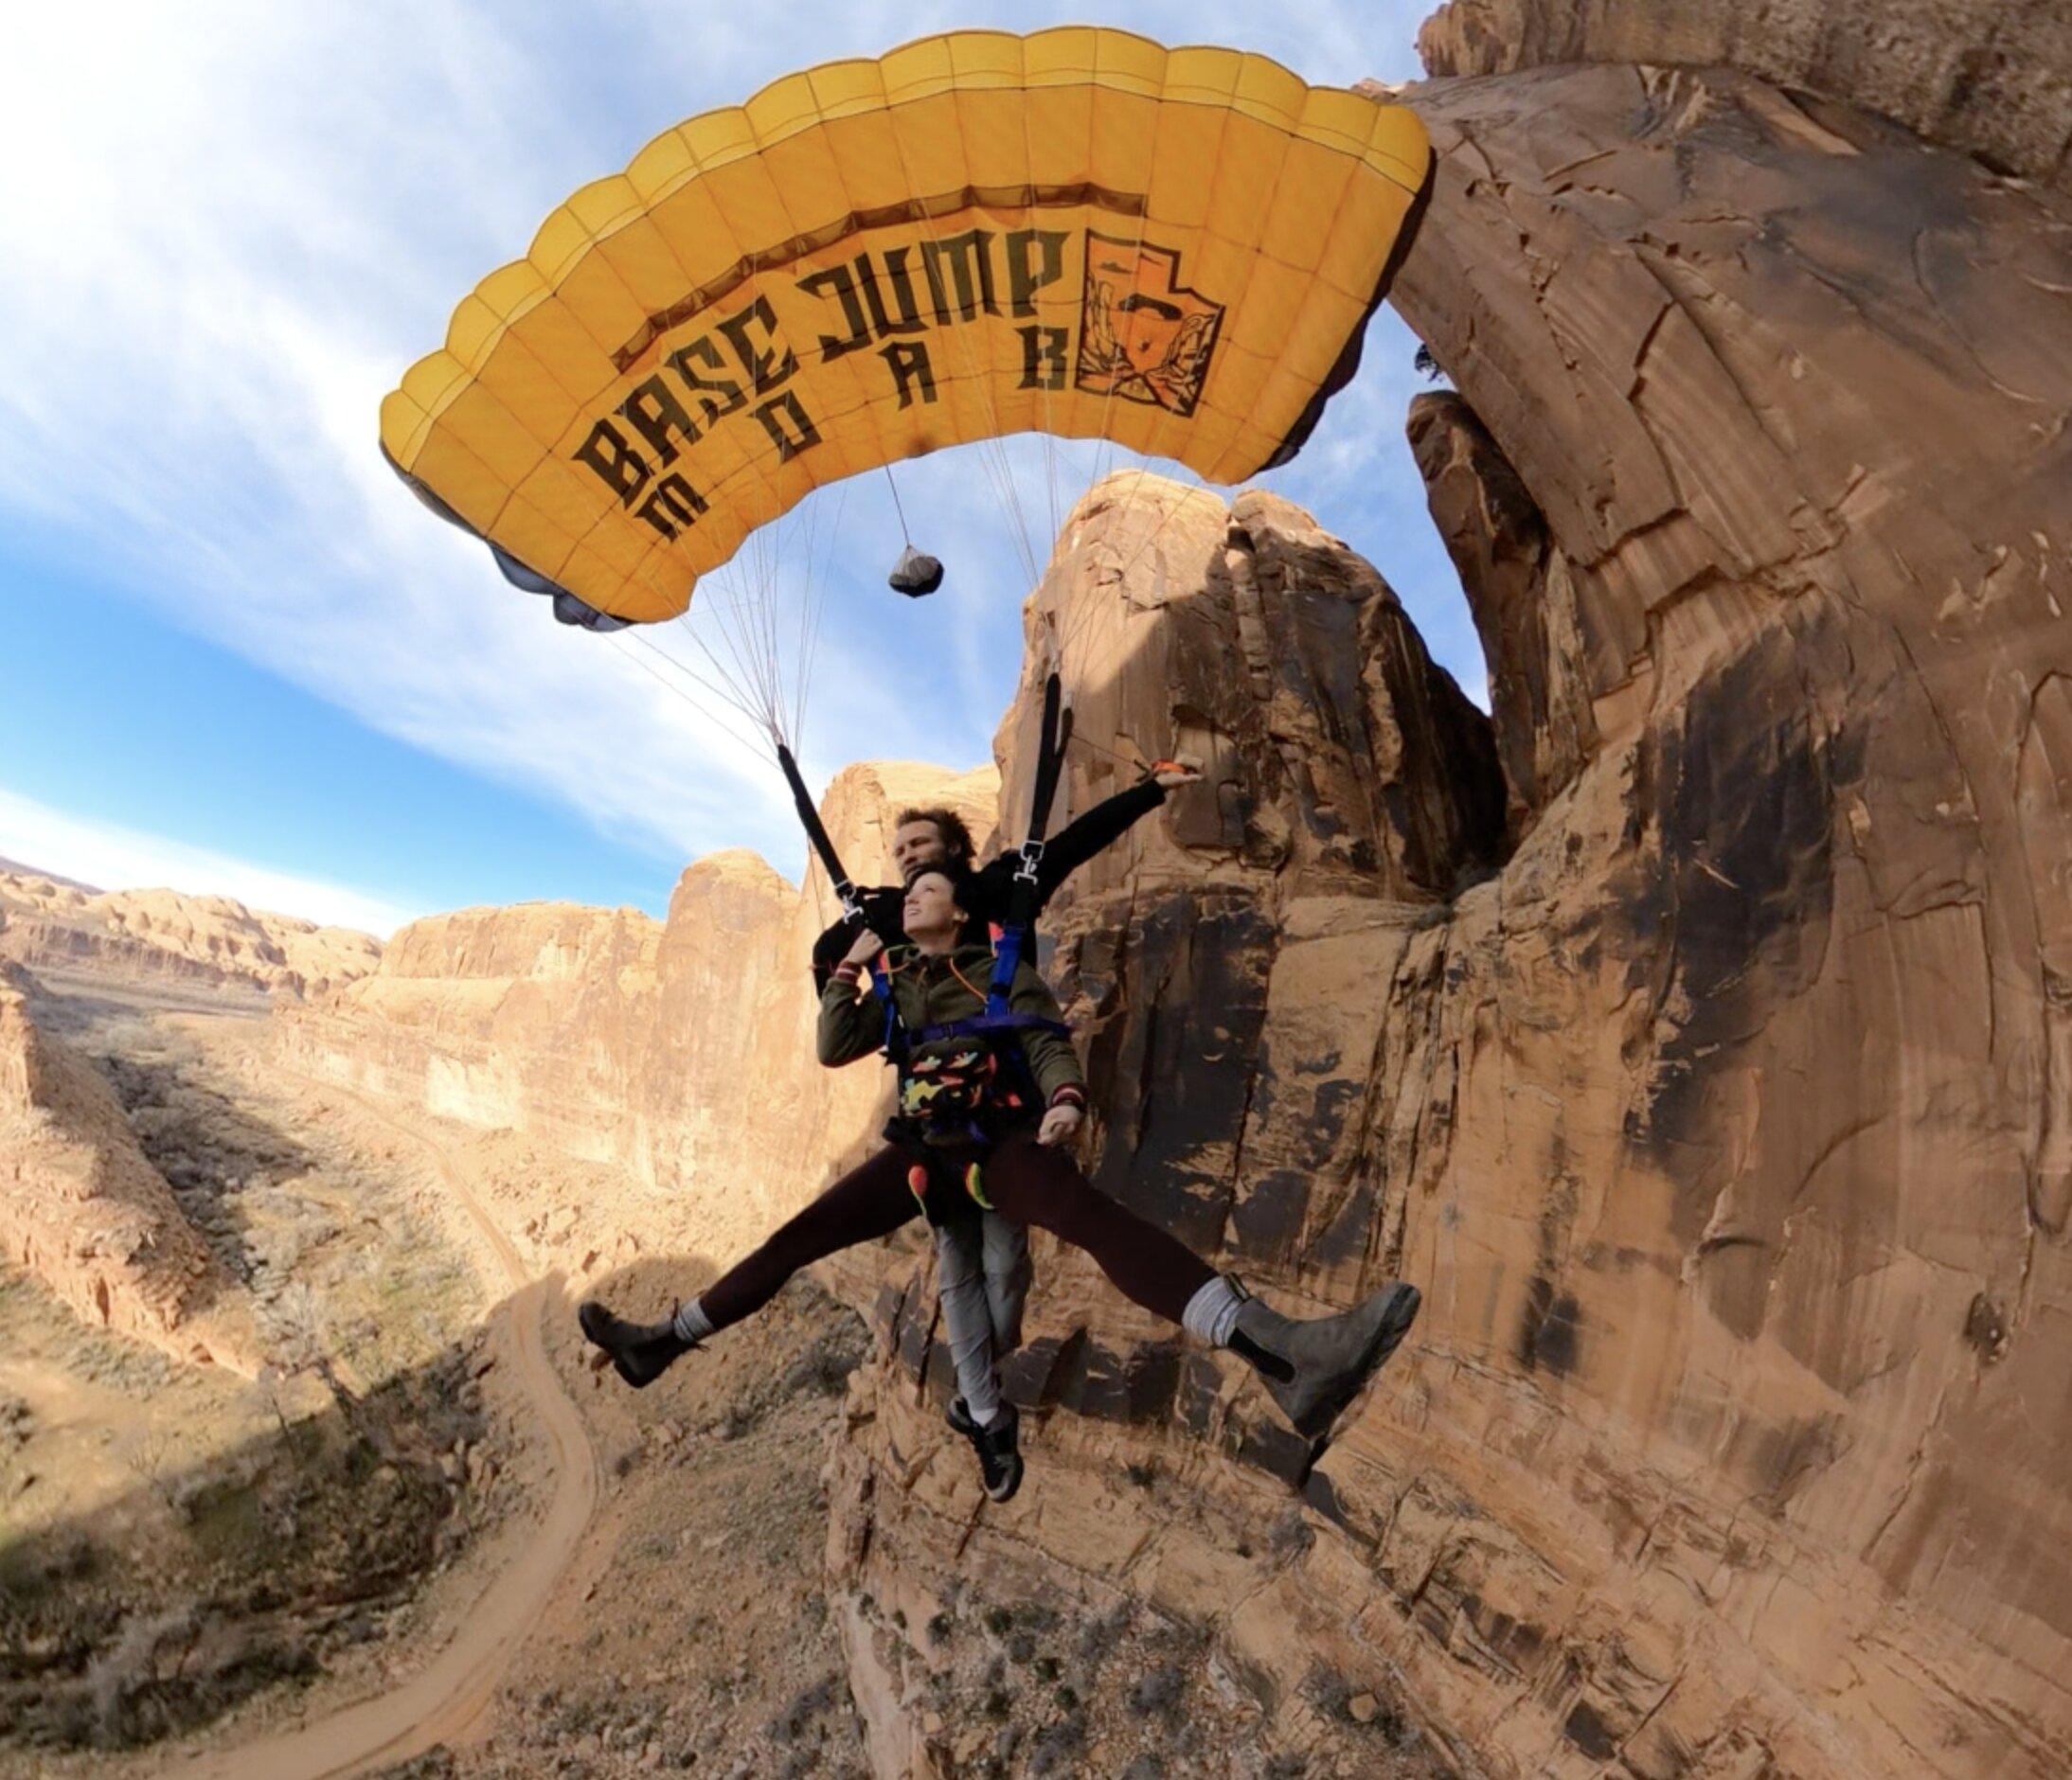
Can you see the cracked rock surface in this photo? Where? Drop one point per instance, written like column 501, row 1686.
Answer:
column 1695, row 1030
column 1708, row 1072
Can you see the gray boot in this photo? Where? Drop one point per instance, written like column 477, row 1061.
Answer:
column 639, row 1352
column 1314, row 1369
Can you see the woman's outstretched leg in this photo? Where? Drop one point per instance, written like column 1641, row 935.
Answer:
column 1035, row 1183
column 1312, row 1368
column 870, row 1201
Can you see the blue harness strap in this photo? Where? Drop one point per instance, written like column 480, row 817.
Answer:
column 979, row 1025
column 999, row 1017
column 881, row 986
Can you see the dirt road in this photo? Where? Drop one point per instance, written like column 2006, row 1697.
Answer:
column 450, row 1697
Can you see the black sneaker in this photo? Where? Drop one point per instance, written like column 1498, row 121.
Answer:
column 998, row 1448
column 639, row 1352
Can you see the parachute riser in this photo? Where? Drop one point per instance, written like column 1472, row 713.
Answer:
column 845, row 886
column 823, row 845
column 1027, row 889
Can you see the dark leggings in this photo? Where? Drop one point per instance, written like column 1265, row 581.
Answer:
column 1024, row 1180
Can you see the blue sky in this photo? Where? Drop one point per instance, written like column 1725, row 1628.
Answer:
column 240, row 658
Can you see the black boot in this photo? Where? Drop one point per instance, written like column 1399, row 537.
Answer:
column 998, row 1448
column 1315, row 1368
column 640, row 1352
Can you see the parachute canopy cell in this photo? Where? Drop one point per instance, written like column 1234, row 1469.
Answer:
column 1077, row 232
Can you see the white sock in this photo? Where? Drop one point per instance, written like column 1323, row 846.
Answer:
column 985, row 1417
column 1211, row 1314
column 690, row 1322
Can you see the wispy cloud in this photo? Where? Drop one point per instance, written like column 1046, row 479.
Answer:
column 113, row 857
column 229, row 227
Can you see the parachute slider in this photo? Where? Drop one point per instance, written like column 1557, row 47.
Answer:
column 914, row 573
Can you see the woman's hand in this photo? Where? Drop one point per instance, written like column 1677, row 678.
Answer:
column 1061, row 1124
column 866, row 947
column 1172, row 772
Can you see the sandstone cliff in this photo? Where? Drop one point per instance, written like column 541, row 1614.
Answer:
column 681, row 1049
column 1723, row 1124
column 210, row 942
column 82, row 1209
column 1994, row 79
column 1696, row 1032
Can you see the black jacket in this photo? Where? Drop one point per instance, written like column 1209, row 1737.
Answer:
column 987, row 892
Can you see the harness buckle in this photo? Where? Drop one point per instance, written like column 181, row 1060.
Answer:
column 1033, row 856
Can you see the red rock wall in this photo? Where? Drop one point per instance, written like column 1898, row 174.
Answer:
column 1723, row 1125
column 83, row 1210
column 1992, row 77
column 53, row 924
column 1793, row 1282
column 681, row 1049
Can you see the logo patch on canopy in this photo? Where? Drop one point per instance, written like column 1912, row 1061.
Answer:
column 1143, row 336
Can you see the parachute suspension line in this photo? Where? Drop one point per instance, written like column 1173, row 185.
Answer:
column 746, row 738
column 1047, row 434
column 745, row 617
column 1050, row 471
column 1077, row 631
column 993, row 448
column 737, row 625
column 1115, row 381
column 897, row 505
column 759, row 627
column 812, row 607
column 1148, row 458
column 722, row 689
column 734, row 622
column 737, row 606
column 1087, row 741
column 1251, row 272
column 1151, row 536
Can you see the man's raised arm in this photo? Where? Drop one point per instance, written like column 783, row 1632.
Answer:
column 1105, row 825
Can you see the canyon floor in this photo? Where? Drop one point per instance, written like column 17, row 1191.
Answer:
column 204, row 1574
column 436, row 1542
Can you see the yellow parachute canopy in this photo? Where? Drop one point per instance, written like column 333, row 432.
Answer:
column 1079, row 232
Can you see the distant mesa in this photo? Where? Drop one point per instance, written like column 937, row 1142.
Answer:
column 53, row 923
column 83, row 1210
column 14, row 867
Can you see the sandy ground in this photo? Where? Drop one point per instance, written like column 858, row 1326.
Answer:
column 452, row 1691
column 624, row 1583
column 682, row 1624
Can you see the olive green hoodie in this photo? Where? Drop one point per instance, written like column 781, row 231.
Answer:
column 933, row 992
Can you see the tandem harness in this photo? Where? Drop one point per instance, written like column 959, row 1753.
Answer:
column 1022, row 902
column 1012, row 940
column 951, row 1067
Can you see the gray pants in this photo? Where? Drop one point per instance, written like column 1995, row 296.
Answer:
column 982, row 1280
